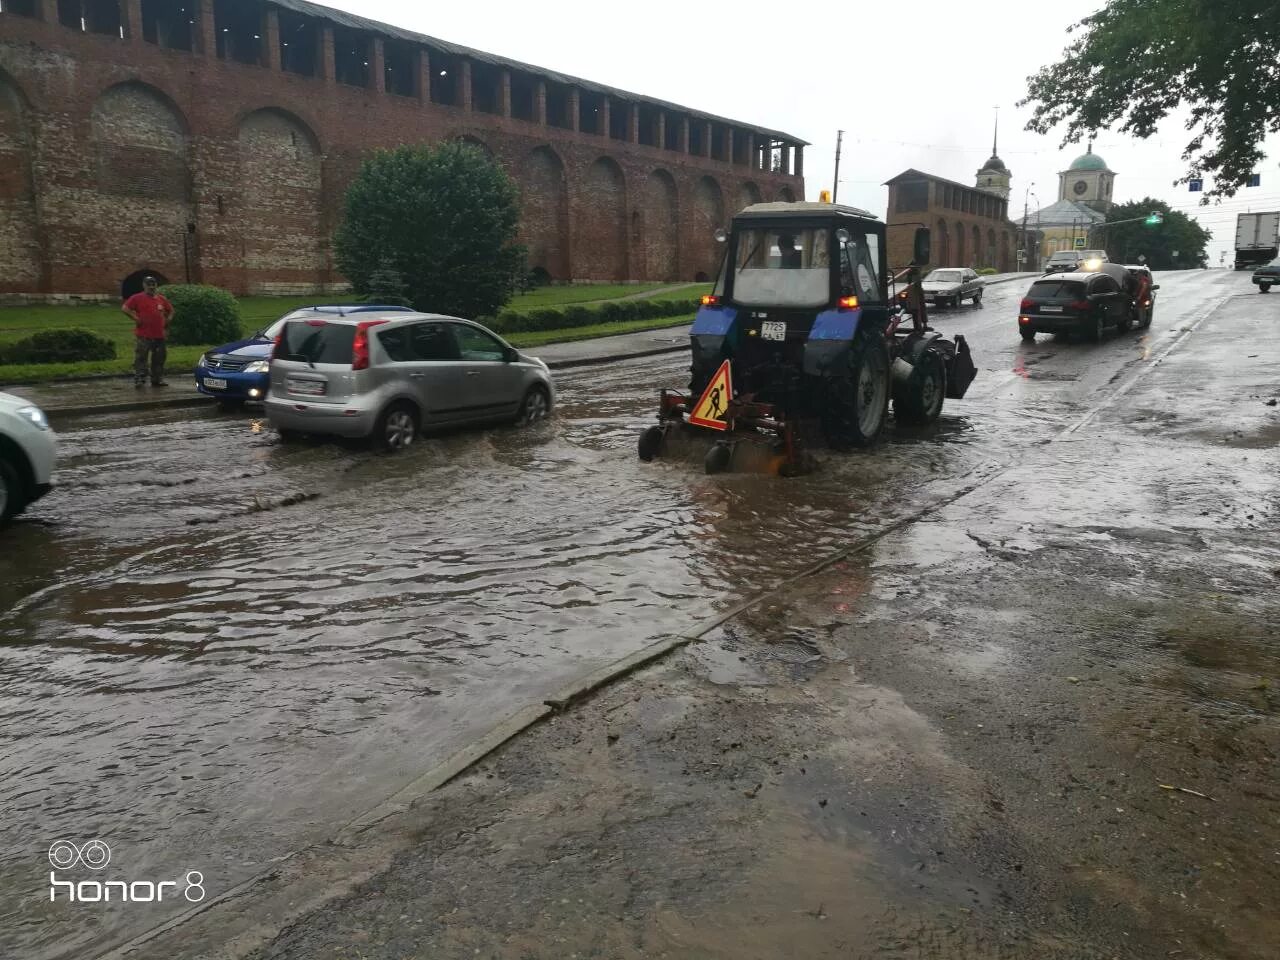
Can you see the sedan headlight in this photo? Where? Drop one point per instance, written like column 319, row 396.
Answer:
column 35, row 415
column 258, row 366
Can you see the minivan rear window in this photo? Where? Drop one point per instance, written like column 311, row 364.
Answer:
column 315, row 341
column 1055, row 289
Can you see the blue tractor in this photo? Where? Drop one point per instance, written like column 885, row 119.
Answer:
column 806, row 333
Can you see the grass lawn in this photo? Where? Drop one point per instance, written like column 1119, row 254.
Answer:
column 559, row 296
column 257, row 312
column 539, row 338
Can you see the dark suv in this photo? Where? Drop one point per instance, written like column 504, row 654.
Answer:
column 1083, row 303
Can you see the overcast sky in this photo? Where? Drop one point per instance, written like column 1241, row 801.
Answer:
column 912, row 85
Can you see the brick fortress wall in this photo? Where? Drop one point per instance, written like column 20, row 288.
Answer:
column 121, row 151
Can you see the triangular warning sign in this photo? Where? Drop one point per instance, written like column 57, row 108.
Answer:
column 712, row 408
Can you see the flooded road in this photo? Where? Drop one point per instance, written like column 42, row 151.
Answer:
column 216, row 649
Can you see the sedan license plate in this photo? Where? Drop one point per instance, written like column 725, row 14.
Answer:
column 310, row 388
column 213, row 383
column 773, row 330
column 1050, row 309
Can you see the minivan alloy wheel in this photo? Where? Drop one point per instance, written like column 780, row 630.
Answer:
column 399, row 429
column 534, row 407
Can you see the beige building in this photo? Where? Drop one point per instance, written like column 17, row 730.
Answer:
column 1085, row 195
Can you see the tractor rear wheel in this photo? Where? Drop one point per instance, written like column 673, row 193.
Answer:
column 919, row 400
column 856, row 401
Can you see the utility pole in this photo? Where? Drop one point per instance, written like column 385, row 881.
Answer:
column 835, row 183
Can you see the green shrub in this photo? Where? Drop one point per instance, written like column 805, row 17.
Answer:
column 58, row 346
column 986, row 271
column 576, row 315
column 202, row 315
column 547, row 318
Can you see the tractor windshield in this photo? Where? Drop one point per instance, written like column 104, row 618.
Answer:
column 782, row 267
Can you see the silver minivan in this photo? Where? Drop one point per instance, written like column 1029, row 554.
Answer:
column 388, row 376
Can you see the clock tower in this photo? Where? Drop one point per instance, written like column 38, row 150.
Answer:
column 1089, row 181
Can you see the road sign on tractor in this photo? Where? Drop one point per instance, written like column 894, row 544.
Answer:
column 712, row 408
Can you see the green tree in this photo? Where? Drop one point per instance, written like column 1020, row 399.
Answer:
column 443, row 218
column 1125, row 242
column 1135, row 61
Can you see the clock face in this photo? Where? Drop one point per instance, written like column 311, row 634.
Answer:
column 1080, row 187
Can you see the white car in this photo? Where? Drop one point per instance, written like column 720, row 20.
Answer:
column 28, row 449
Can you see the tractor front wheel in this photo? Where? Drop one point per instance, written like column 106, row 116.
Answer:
column 919, row 400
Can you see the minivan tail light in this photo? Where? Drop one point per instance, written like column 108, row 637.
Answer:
column 1027, row 304
column 1079, row 304
column 360, row 345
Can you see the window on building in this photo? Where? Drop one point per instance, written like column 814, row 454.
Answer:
column 671, row 134
column 620, row 119
column 239, row 29
column 92, row 16
column 697, row 137
column 446, row 72
column 524, row 96
column 352, row 51
column 169, row 25
column 299, row 44
column 400, row 68
column 486, row 88
column 20, row 8
column 558, row 106
column 912, row 195
column 590, row 112
column 648, row 130
column 719, row 142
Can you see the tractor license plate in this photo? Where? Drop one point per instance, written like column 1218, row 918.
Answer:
column 1050, row 309
column 215, row 384
column 773, row 330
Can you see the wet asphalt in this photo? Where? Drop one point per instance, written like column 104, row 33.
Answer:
column 216, row 649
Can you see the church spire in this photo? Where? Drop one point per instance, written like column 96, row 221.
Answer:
column 995, row 135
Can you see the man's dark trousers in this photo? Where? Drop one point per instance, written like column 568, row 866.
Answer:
column 145, row 346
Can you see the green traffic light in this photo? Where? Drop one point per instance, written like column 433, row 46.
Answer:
column 1154, row 219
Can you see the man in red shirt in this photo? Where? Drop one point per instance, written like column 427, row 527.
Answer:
column 150, row 313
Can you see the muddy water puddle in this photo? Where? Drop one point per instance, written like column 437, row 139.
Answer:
column 216, row 649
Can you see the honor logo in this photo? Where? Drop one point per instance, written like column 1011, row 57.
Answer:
column 95, row 855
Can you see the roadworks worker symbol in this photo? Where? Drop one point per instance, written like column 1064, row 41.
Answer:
column 712, row 408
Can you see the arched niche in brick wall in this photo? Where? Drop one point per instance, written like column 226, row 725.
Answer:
column 748, row 193
column 474, row 141
column 19, row 242
column 600, row 248
column 660, row 231
column 1004, row 266
column 940, row 241
column 544, row 212
column 278, row 213
column 708, row 214
column 991, row 259
column 786, row 194
column 957, row 254
column 141, row 166
column 975, row 248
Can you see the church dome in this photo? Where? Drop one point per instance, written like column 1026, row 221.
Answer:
column 994, row 165
column 1088, row 161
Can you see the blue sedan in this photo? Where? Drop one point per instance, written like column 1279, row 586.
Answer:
column 237, row 373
